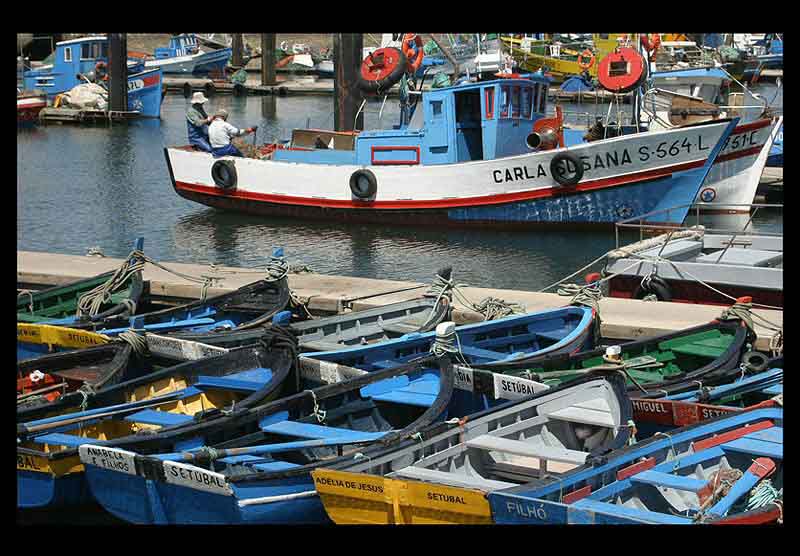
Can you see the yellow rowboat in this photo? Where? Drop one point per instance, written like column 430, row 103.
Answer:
column 358, row 498
column 58, row 336
column 443, row 476
column 49, row 471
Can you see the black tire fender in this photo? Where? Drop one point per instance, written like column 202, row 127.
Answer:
column 363, row 184
column 755, row 361
column 556, row 168
column 210, row 89
column 223, row 172
column 656, row 286
column 187, row 90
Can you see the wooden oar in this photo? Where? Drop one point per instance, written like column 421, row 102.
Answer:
column 22, row 397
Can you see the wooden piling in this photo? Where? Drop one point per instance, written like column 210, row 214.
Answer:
column 236, row 45
column 117, row 72
column 268, row 59
column 348, row 49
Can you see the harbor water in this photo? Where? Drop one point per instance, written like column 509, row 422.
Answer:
column 102, row 186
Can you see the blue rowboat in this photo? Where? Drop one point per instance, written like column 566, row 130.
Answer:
column 246, row 307
column 673, row 478
column 254, row 466
column 85, row 57
column 49, row 472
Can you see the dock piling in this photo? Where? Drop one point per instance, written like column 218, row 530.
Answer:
column 347, row 49
column 117, row 72
column 268, row 59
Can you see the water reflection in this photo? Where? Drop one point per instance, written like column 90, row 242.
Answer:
column 84, row 186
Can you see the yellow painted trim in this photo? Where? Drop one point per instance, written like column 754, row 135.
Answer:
column 56, row 468
column 59, row 335
column 360, row 498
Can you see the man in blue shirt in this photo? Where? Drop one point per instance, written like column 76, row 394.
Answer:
column 197, row 121
column 220, row 133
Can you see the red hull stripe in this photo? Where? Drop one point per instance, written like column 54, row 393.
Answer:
column 751, row 126
column 461, row 202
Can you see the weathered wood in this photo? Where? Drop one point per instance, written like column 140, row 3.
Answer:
column 237, row 46
column 117, row 72
column 268, row 59
column 348, row 48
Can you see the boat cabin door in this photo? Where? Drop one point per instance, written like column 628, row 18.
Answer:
column 469, row 132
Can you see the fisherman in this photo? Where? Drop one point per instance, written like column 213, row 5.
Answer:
column 220, row 133
column 197, row 123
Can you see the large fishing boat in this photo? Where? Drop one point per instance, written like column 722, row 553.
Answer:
column 77, row 60
column 474, row 153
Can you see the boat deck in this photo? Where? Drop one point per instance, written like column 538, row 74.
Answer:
column 621, row 318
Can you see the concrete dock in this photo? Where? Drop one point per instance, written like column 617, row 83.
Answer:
column 621, row 318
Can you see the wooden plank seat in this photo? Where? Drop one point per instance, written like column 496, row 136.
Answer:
column 632, row 513
column 450, row 479
column 556, row 335
column 405, row 326
column 265, row 464
column 71, row 440
column 320, row 345
column 589, row 416
column 473, row 351
column 308, row 430
column 420, row 392
column 756, row 447
column 773, row 390
column 678, row 482
column 163, row 418
column 248, row 381
column 519, row 448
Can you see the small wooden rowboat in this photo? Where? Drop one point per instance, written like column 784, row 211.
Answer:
column 46, row 378
column 246, row 307
column 443, row 477
column 356, row 328
column 61, row 302
column 49, row 472
column 655, row 367
column 255, row 466
column 725, row 470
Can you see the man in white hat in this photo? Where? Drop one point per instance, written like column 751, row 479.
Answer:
column 197, row 121
column 220, row 133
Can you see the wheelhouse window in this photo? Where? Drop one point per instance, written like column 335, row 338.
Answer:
column 93, row 50
column 515, row 108
column 505, row 99
column 68, row 54
column 525, row 102
column 488, row 99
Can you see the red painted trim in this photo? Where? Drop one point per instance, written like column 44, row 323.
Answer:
column 496, row 199
column 730, row 435
column 626, row 472
column 755, row 517
column 151, row 80
column 393, row 162
column 489, row 101
column 753, row 151
column 576, row 495
column 762, row 467
column 758, row 124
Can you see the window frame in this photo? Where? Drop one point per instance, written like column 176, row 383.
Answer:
column 68, row 54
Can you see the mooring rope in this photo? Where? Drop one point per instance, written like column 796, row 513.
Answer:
column 136, row 341
column 91, row 302
column 490, row 307
column 29, row 293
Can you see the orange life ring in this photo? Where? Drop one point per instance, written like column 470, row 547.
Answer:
column 101, row 65
column 586, row 65
column 413, row 65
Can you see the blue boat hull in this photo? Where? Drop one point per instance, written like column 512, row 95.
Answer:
column 143, row 501
column 39, row 490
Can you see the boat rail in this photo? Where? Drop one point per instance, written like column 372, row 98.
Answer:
column 638, row 222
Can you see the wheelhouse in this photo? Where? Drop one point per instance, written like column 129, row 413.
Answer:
column 179, row 45
column 469, row 122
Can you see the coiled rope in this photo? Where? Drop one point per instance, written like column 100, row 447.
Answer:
column 449, row 343
column 743, row 311
column 91, row 302
column 490, row 307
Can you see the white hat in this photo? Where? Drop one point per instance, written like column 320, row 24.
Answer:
column 199, row 98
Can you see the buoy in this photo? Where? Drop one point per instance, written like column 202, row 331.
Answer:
column 621, row 71
column 382, row 69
